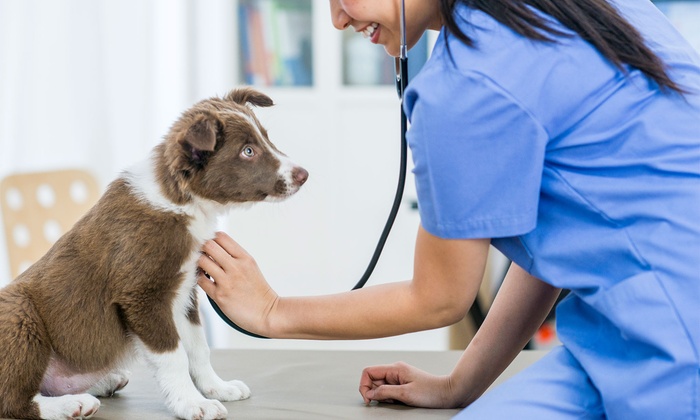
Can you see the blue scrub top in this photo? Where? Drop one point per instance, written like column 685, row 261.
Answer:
column 586, row 176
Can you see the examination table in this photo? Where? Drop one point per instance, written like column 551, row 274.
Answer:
column 295, row 384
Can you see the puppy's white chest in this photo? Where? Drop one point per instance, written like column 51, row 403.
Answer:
column 203, row 227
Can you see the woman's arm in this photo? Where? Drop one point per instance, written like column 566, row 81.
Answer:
column 520, row 307
column 447, row 275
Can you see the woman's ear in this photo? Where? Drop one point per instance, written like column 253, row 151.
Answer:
column 247, row 95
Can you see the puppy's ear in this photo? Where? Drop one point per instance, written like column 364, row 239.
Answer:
column 200, row 138
column 249, row 96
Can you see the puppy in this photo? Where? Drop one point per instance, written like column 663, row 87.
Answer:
column 122, row 280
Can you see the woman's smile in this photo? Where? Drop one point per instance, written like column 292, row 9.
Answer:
column 379, row 20
column 372, row 32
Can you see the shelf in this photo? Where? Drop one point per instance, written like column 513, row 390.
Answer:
column 275, row 41
column 292, row 44
column 366, row 64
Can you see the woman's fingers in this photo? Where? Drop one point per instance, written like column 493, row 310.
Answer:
column 211, row 265
column 224, row 251
column 208, row 265
column 230, row 246
column 216, row 253
column 206, row 284
column 388, row 394
column 208, row 271
column 374, row 382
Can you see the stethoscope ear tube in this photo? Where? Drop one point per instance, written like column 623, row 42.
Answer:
column 401, row 64
column 401, row 83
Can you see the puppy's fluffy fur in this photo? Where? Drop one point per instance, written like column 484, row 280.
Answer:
column 122, row 280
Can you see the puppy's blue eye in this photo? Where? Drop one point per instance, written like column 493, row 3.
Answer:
column 248, row 151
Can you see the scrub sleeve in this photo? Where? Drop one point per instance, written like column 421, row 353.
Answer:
column 487, row 186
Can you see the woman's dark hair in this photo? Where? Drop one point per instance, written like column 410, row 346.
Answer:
column 595, row 21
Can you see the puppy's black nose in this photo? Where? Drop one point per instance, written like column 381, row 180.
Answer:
column 300, row 175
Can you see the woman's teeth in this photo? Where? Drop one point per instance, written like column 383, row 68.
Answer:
column 368, row 31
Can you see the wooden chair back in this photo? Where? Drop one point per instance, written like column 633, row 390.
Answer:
column 39, row 207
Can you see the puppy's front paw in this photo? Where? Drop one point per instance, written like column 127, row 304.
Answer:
column 227, row 391
column 81, row 406
column 200, row 410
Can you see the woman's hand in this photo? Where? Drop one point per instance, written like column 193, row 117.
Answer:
column 236, row 285
column 409, row 385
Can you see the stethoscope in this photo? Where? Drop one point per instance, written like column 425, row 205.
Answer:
column 401, row 65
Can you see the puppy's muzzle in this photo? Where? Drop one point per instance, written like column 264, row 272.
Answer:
column 299, row 176
column 289, row 183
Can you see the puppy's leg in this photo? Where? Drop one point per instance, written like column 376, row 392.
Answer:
column 181, row 396
column 24, row 358
column 61, row 379
column 207, row 381
column 110, row 383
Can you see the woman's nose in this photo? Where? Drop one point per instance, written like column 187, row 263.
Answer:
column 340, row 19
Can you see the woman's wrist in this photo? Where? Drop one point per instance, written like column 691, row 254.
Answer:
column 462, row 390
column 272, row 323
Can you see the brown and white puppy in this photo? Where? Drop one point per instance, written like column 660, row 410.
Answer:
column 122, row 280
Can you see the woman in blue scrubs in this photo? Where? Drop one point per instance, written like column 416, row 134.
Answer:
column 567, row 134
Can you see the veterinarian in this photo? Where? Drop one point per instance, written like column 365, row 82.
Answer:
column 566, row 133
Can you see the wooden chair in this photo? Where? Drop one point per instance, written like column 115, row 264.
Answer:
column 39, row 207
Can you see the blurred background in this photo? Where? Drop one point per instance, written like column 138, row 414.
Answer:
column 95, row 84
